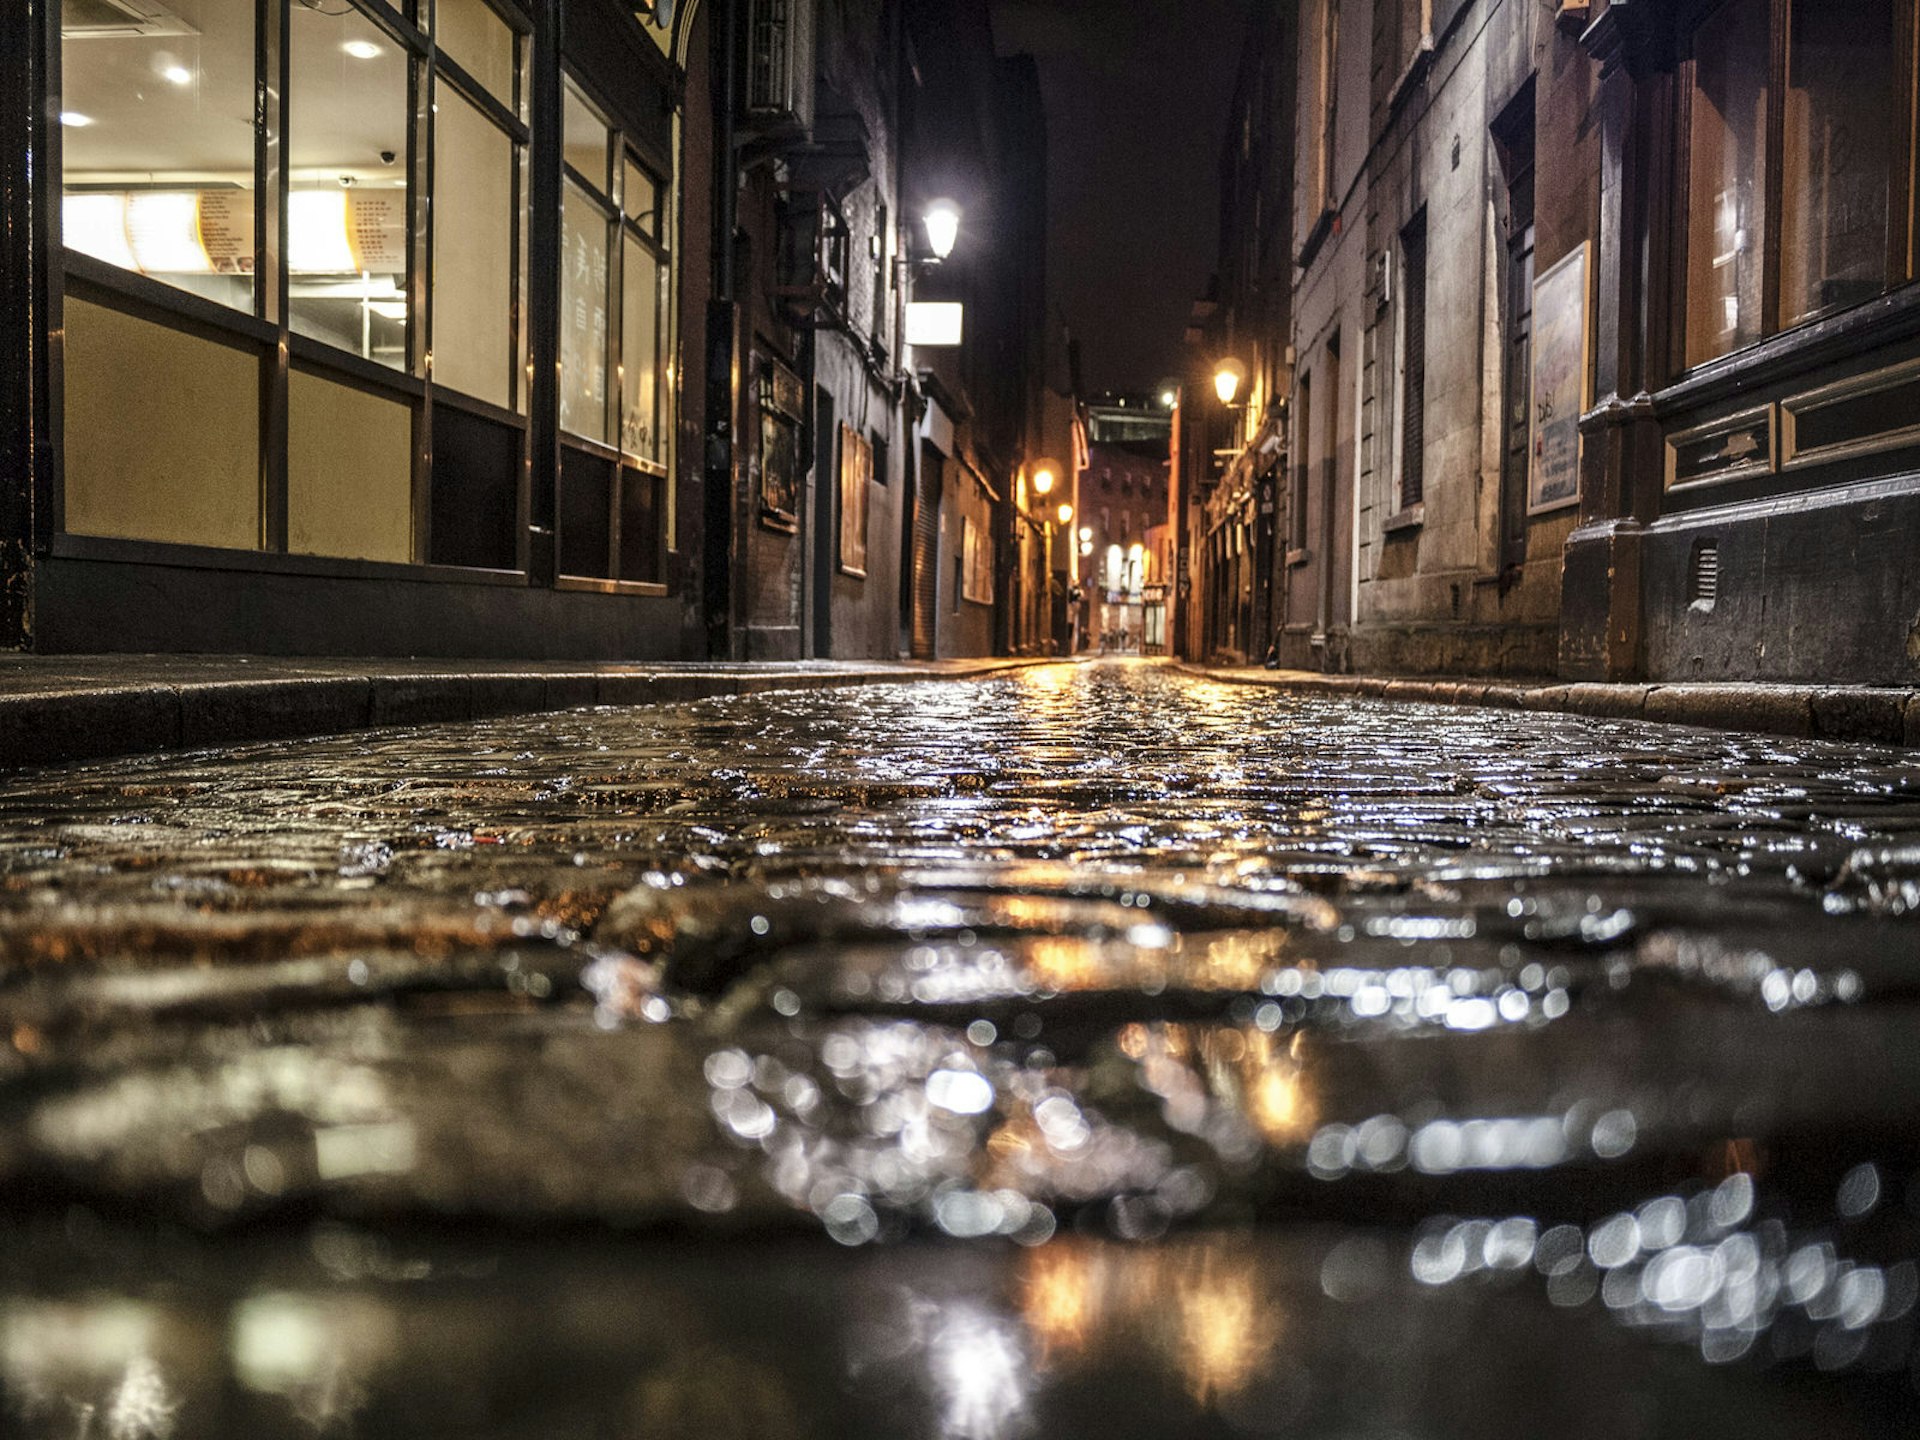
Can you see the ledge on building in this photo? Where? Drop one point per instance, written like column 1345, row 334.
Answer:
column 1411, row 518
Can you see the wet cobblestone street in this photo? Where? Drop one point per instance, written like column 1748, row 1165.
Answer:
column 1093, row 1050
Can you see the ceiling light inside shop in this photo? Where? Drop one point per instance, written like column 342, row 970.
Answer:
column 362, row 49
column 74, row 120
column 177, row 75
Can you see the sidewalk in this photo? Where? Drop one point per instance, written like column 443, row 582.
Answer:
column 1885, row 716
column 83, row 707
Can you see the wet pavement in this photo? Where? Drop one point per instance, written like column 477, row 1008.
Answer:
column 1095, row 1050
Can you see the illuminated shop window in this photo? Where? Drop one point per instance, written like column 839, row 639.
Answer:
column 159, row 168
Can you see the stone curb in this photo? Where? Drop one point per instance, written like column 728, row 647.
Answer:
column 91, row 723
column 1859, row 714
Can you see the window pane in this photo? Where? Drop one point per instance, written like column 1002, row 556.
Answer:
column 480, row 42
column 158, row 138
column 1726, row 210
column 641, row 199
column 586, row 138
column 347, row 158
column 583, row 315
column 473, row 281
column 639, row 351
column 349, row 471
column 162, row 432
column 1839, row 151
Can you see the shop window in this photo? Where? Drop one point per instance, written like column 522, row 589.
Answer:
column 475, row 240
column 349, row 471
column 159, row 165
column 349, row 230
column 175, row 458
column 472, row 35
column 1838, row 152
column 1761, row 258
column 615, row 335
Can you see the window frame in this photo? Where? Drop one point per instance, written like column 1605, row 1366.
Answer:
column 265, row 328
column 608, row 198
column 1903, row 193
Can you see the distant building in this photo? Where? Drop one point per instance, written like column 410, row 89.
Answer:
column 1125, row 541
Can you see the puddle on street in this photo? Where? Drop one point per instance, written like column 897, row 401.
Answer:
column 1093, row 1050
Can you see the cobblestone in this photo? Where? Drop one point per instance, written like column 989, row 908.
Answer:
column 1090, row 1050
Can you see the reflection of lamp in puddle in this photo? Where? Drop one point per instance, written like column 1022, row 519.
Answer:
column 977, row 1365
column 1057, row 1299
column 1278, row 1102
column 1225, row 1333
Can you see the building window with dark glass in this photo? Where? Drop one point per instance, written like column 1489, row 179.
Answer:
column 1791, row 187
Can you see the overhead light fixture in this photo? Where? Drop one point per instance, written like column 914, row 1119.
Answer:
column 943, row 228
column 74, row 120
column 1042, row 481
column 177, row 75
column 1167, row 397
column 362, row 49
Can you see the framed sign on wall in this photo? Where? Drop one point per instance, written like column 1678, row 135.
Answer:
column 856, row 471
column 1562, row 389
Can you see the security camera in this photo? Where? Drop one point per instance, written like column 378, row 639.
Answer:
column 386, row 157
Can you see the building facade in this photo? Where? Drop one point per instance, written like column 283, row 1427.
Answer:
column 1600, row 343
column 570, row 328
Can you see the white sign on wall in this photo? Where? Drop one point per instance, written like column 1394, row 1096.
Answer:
column 1562, row 363
column 935, row 322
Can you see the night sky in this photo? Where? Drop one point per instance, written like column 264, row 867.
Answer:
column 1136, row 97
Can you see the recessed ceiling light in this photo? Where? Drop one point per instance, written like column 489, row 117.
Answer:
column 75, row 120
column 361, row 49
column 177, row 75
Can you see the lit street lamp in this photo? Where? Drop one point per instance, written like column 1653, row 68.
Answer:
column 1228, row 376
column 943, row 228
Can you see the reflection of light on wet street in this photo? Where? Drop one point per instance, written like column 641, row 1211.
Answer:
column 1093, row 1050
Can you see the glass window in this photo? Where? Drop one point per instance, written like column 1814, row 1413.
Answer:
column 1726, row 211
column 474, row 36
column 1839, row 151
column 584, row 232
column 158, row 140
column 347, row 213
column 640, row 311
column 641, row 198
column 586, row 139
column 473, row 251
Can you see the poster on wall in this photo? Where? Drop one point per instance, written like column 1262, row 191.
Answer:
column 856, row 471
column 1562, row 361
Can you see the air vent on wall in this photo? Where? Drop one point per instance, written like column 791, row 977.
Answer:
column 109, row 19
column 1703, row 580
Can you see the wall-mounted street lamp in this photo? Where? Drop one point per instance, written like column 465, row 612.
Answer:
column 943, row 228
column 1066, row 514
column 1043, row 480
column 1228, row 376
